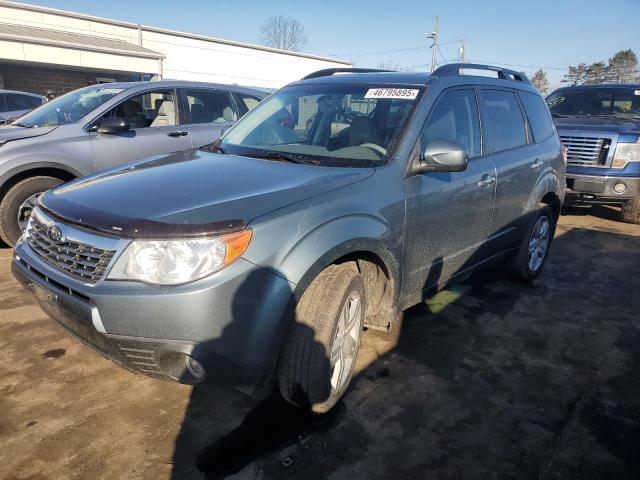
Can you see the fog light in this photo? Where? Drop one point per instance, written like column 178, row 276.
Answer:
column 619, row 187
column 194, row 367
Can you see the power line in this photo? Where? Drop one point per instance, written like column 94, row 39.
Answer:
column 519, row 65
column 421, row 47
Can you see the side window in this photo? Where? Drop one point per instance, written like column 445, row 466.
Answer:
column 21, row 102
column 249, row 101
column 3, row 104
column 505, row 125
column 454, row 118
column 209, row 106
column 538, row 114
column 147, row 110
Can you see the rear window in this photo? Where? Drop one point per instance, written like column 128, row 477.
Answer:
column 505, row 124
column 538, row 114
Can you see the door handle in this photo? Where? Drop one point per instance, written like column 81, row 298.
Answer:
column 486, row 180
column 536, row 164
column 178, row 134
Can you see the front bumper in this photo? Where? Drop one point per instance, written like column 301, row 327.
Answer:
column 600, row 189
column 230, row 323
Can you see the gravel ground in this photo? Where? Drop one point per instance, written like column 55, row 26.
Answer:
column 489, row 379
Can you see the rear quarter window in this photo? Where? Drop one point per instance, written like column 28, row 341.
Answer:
column 538, row 114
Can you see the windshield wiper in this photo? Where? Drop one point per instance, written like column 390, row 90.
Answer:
column 563, row 115
column 24, row 125
column 213, row 147
column 274, row 155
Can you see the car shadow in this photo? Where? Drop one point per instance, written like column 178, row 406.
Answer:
column 605, row 212
column 487, row 378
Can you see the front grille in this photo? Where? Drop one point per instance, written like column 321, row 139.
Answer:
column 586, row 151
column 78, row 260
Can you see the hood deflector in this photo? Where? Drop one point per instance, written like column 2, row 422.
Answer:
column 97, row 220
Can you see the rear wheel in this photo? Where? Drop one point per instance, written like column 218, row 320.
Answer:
column 18, row 203
column 321, row 347
column 631, row 211
column 533, row 251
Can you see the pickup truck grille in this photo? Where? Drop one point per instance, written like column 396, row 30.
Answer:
column 586, row 151
column 78, row 260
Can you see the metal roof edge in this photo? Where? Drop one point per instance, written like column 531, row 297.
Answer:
column 92, row 48
column 195, row 36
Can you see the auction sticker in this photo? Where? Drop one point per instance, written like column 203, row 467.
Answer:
column 402, row 93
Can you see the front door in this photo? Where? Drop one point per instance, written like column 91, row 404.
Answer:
column 207, row 113
column 448, row 215
column 155, row 130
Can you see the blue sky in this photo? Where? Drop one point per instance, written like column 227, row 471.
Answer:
column 541, row 33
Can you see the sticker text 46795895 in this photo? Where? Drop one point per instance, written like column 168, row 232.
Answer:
column 400, row 93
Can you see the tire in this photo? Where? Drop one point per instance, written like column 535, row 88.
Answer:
column 522, row 266
column 306, row 375
column 631, row 211
column 18, row 194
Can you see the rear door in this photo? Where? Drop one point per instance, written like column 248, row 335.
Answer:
column 448, row 215
column 153, row 117
column 207, row 113
column 517, row 159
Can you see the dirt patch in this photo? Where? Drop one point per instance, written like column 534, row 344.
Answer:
column 490, row 379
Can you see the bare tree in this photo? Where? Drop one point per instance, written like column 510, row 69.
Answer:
column 540, row 81
column 389, row 64
column 283, row 33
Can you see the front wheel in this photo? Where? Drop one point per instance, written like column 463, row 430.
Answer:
column 631, row 211
column 18, row 203
column 534, row 248
column 321, row 347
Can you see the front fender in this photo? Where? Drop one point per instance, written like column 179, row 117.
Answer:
column 299, row 258
column 24, row 163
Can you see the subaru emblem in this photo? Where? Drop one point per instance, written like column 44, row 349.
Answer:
column 54, row 232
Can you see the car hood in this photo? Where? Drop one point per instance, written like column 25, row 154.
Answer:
column 11, row 132
column 599, row 124
column 190, row 193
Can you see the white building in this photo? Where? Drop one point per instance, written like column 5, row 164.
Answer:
column 45, row 48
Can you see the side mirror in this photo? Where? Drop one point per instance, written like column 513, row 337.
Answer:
column 113, row 125
column 443, row 156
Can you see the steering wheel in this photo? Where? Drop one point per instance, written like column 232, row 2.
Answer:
column 376, row 148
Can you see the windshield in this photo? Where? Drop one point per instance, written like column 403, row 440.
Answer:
column 337, row 125
column 69, row 108
column 595, row 102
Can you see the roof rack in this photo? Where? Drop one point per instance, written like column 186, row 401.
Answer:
column 327, row 72
column 453, row 69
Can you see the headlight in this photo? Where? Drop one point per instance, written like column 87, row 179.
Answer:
column 626, row 153
column 172, row 262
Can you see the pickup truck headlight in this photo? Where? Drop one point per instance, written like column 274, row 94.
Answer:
column 626, row 153
column 173, row 262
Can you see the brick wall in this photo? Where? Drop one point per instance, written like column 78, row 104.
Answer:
column 39, row 79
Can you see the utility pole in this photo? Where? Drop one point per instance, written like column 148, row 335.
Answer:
column 435, row 37
column 462, row 57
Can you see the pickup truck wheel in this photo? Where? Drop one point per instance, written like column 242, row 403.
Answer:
column 17, row 204
column 532, row 253
column 321, row 347
column 631, row 211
